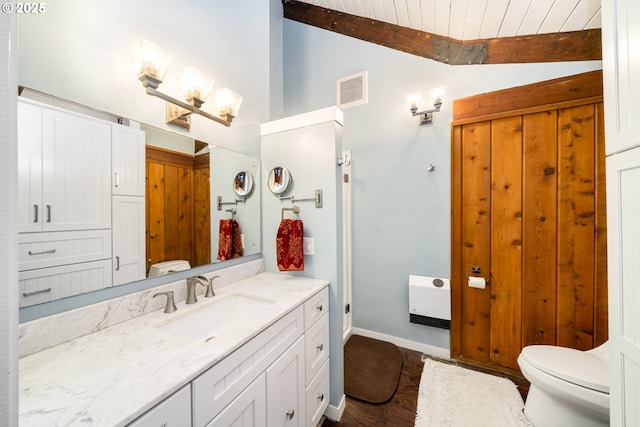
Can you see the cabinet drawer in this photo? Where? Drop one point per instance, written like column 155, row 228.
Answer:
column 316, row 346
column 218, row 386
column 317, row 395
column 174, row 411
column 48, row 284
column 42, row 250
column 315, row 307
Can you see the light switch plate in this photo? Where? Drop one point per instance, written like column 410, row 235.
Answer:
column 309, row 244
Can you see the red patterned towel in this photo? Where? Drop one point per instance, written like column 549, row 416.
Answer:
column 289, row 245
column 229, row 240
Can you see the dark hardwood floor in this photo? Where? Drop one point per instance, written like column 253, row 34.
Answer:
column 400, row 410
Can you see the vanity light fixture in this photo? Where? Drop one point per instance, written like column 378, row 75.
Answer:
column 426, row 115
column 151, row 64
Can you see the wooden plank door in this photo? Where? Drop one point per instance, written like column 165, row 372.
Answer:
column 528, row 211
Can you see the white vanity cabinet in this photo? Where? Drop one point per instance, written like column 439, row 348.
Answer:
column 128, row 190
column 64, row 169
column 64, row 194
column 316, row 357
column 247, row 410
column 128, row 159
column 128, row 239
column 220, row 385
column 174, row 411
column 265, row 382
column 285, row 388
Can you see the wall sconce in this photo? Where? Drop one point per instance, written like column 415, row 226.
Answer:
column 426, row 116
column 151, row 63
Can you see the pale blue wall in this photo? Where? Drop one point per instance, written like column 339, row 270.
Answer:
column 310, row 153
column 401, row 221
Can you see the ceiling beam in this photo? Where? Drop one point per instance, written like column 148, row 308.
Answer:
column 555, row 47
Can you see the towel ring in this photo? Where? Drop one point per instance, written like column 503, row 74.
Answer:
column 294, row 209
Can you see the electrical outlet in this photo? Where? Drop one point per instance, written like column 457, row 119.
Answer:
column 309, row 245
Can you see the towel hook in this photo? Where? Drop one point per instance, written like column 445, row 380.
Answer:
column 233, row 212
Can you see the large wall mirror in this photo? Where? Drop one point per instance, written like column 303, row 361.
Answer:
column 191, row 187
column 77, row 53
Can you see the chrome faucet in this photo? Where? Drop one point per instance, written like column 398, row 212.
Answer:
column 170, row 307
column 210, row 292
column 191, row 288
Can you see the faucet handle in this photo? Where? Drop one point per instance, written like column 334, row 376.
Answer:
column 170, row 307
column 209, row 284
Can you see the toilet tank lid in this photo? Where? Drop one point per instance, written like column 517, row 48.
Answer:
column 571, row 365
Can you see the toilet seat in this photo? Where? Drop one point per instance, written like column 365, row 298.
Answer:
column 577, row 367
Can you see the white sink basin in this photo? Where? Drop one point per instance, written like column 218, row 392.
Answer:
column 214, row 317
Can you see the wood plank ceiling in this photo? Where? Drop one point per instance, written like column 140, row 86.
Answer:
column 464, row 31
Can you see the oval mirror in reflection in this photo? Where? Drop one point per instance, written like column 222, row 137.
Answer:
column 243, row 184
column 279, row 180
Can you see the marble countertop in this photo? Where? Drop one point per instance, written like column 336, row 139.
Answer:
column 110, row 377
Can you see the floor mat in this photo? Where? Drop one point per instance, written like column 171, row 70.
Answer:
column 371, row 369
column 457, row 397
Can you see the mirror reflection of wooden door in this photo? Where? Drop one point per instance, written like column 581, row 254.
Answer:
column 178, row 215
column 528, row 209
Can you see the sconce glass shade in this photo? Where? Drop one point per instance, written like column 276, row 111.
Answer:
column 195, row 85
column 437, row 95
column 149, row 61
column 414, row 99
column 227, row 102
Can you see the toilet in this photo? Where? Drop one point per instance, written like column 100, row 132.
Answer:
column 568, row 387
column 168, row 267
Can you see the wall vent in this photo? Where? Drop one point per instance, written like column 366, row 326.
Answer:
column 352, row 90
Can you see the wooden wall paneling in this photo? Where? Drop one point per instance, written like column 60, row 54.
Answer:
column 540, row 178
column 155, row 214
column 457, row 271
column 476, row 234
column 506, row 241
column 576, row 225
column 171, row 214
column 184, row 219
column 601, row 328
column 202, row 216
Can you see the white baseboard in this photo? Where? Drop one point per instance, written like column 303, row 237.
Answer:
column 431, row 350
column 334, row 413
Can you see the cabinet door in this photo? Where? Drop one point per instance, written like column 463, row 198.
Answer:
column 175, row 411
column 623, row 202
column 621, row 62
column 128, row 160
column 29, row 167
column 285, row 388
column 76, row 157
column 128, row 239
column 247, row 410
